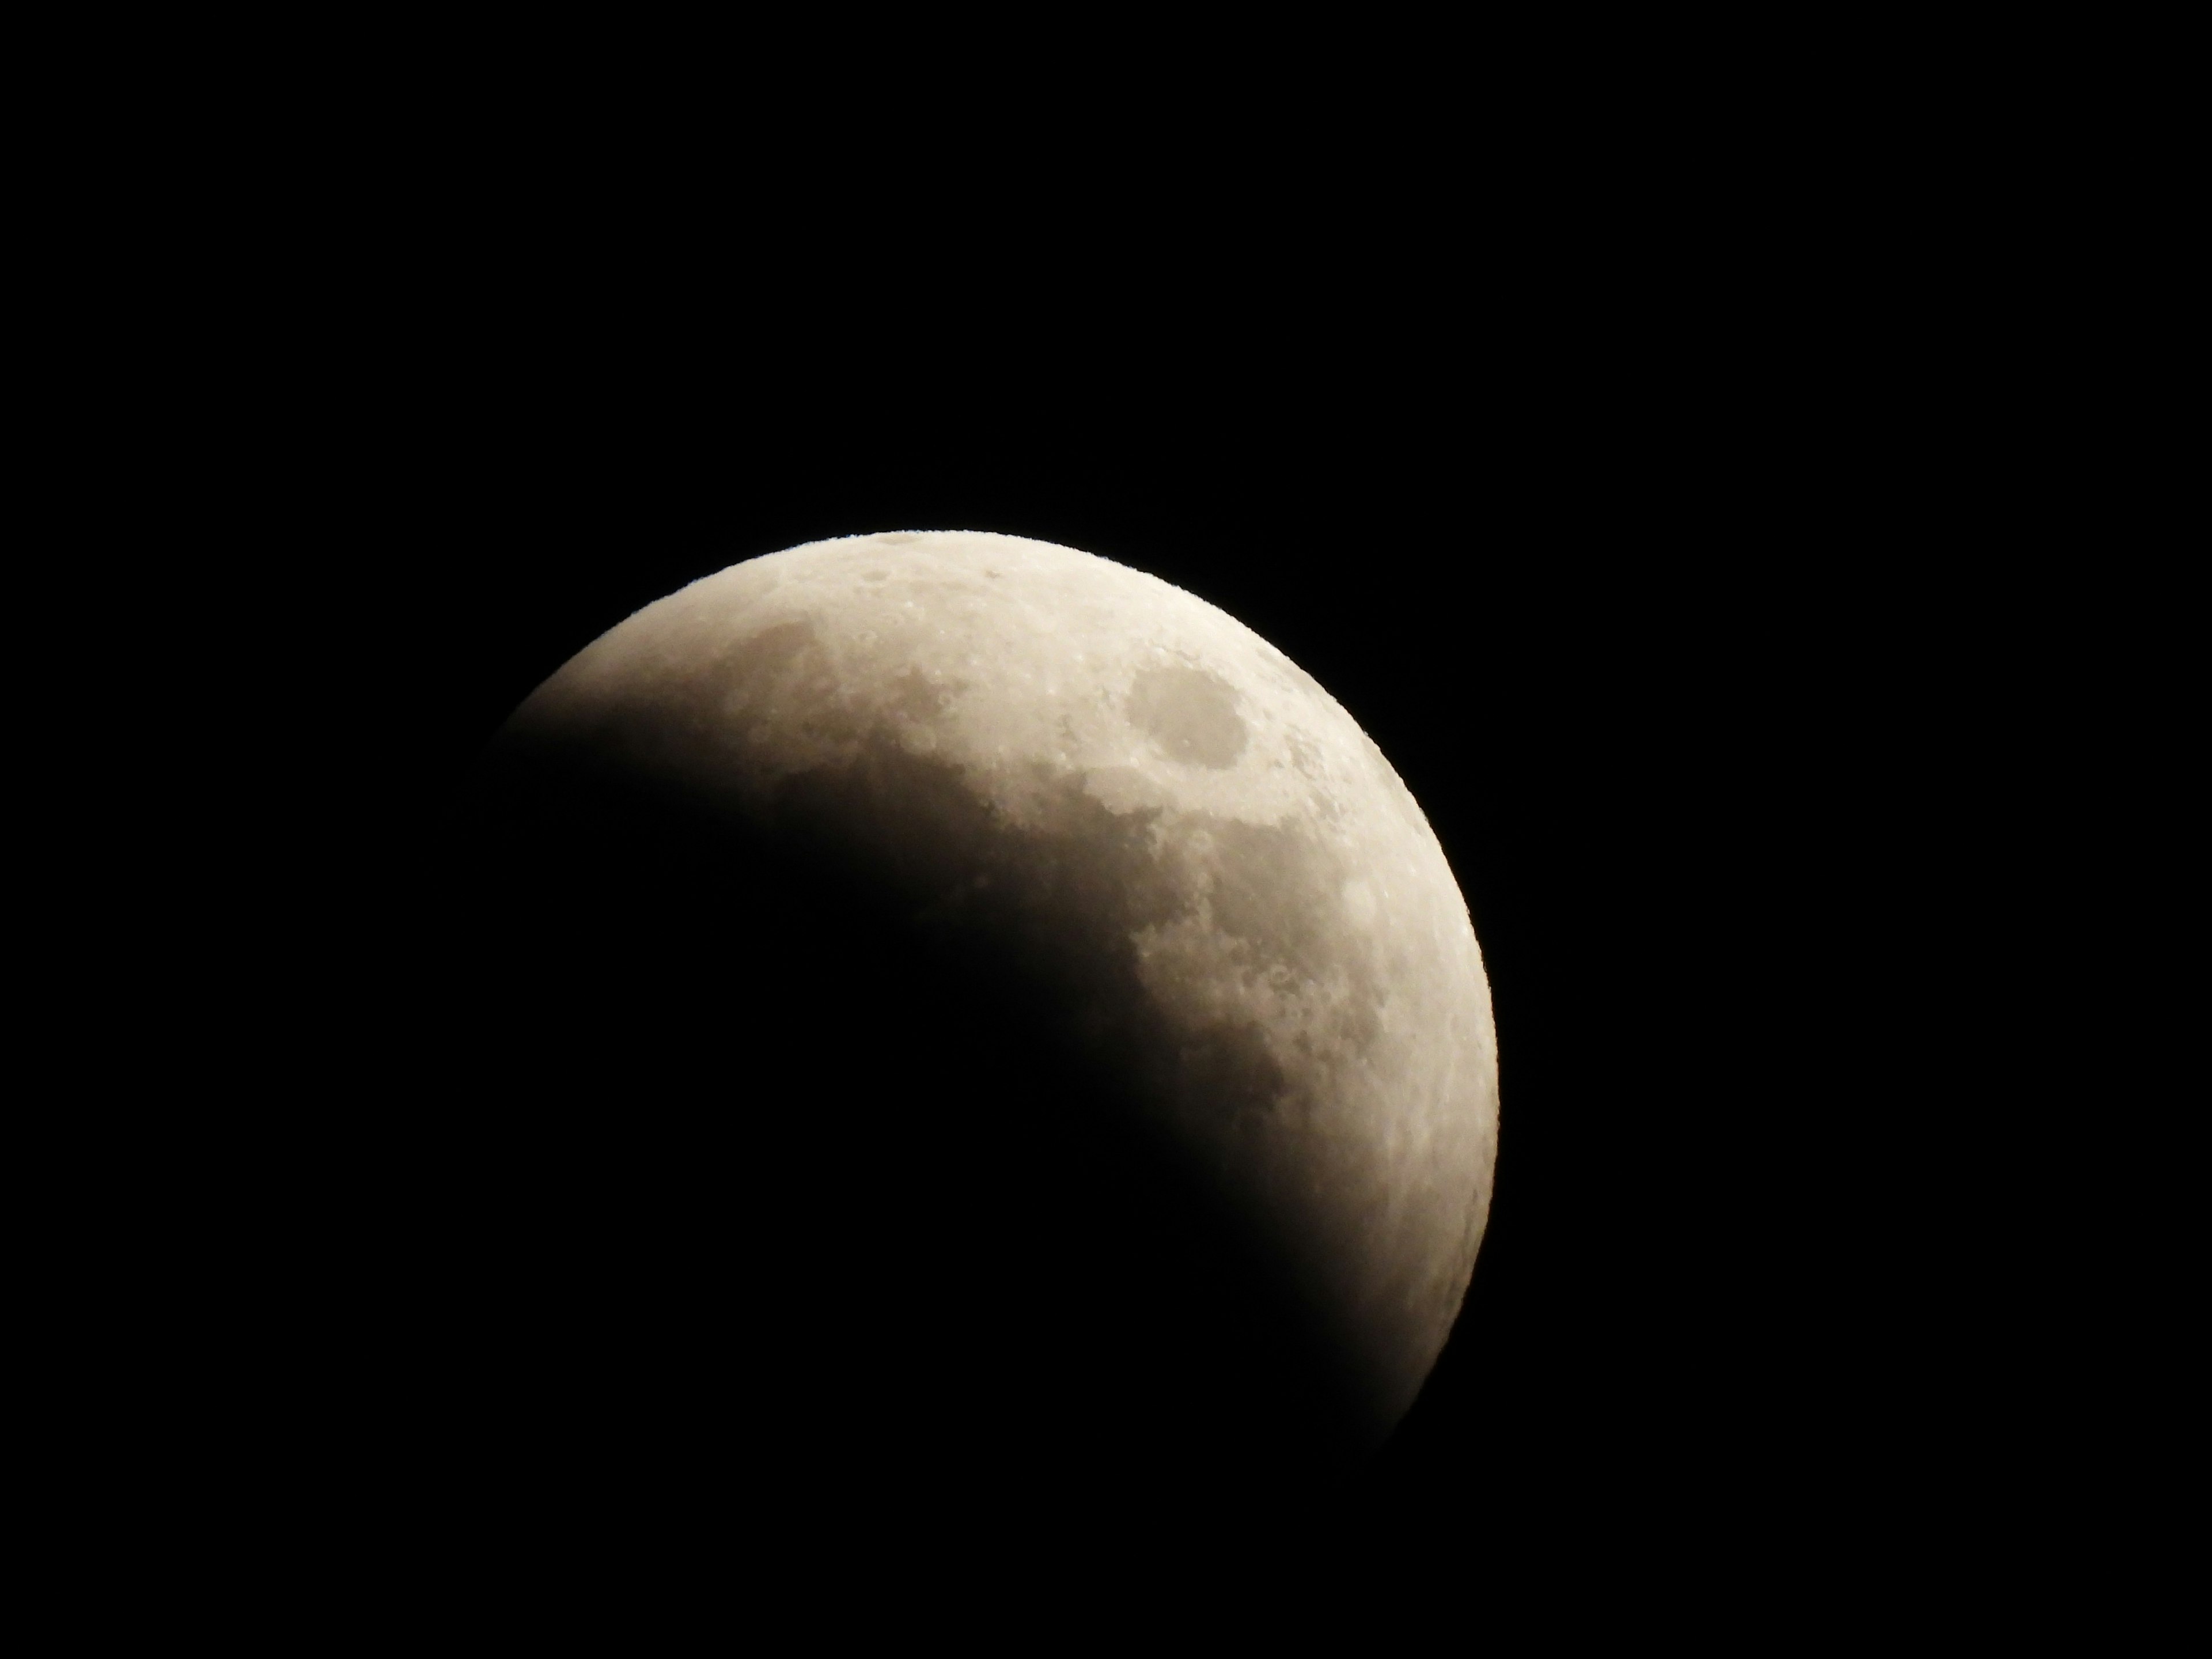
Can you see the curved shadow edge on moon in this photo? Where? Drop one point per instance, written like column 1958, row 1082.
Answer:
column 1141, row 982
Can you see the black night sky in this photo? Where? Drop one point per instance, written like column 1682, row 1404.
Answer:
column 1666, row 461
column 1570, row 549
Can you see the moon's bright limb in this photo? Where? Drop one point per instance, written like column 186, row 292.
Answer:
column 1232, row 894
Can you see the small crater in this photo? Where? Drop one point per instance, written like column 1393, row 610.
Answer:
column 1190, row 713
column 917, row 699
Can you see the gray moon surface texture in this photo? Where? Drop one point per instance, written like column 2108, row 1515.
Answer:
column 1235, row 899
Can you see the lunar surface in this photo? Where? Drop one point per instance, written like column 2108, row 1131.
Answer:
column 1072, row 1004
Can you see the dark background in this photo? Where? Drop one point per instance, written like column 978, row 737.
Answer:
column 1687, row 467
column 1594, row 483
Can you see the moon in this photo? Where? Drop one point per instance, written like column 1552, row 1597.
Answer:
column 1065, row 985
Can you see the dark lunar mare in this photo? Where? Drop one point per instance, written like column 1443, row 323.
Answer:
column 750, row 1171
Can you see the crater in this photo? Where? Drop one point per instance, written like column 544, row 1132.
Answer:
column 917, row 699
column 1190, row 713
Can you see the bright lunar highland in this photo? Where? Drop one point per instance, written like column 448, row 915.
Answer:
column 1218, row 891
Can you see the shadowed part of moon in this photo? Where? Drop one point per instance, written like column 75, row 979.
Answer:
column 787, row 1164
